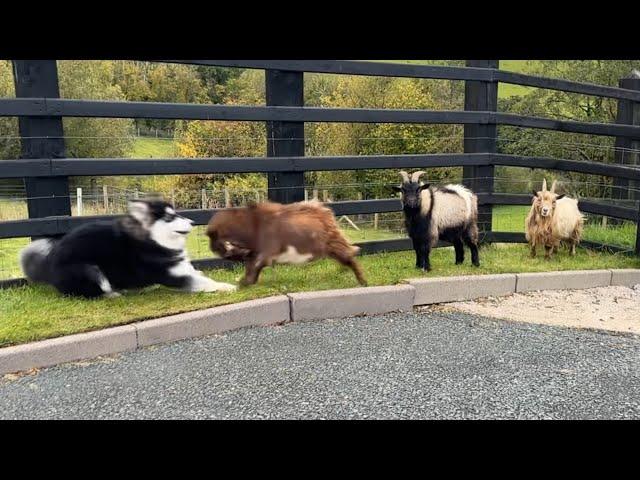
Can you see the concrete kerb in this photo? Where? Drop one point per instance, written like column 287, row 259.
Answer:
column 563, row 280
column 468, row 287
column 298, row 307
column 625, row 278
column 253, row 313
column 350, row 302
column 70, row 348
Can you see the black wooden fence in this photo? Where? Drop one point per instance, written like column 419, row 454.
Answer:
column 46, row 170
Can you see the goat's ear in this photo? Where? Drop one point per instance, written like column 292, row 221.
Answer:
column 425, row 186
column 396, row 188
column 558, row 197
column 534, row 193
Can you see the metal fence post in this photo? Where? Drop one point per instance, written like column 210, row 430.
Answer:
column 481, row 96
column 42, row 137
column 285, row 139
column 628, row 114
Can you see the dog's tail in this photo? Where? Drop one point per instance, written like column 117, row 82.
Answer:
column 34, row 260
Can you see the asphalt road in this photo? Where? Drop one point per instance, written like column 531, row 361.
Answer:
column 400, row 366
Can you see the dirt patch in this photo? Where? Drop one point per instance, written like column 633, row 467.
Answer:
column 606, row 308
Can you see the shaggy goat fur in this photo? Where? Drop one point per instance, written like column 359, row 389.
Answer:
column 553, row 219
column 446, row 213
column 267, row 233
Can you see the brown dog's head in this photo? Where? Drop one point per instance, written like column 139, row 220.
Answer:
column 230, row 234
column 544, row 201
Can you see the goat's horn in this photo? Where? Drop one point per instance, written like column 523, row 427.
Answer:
column 416, row 176
column 405, row 176
column 544, row 184
column 553, row 187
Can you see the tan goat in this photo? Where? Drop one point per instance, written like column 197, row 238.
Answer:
column 553, row 219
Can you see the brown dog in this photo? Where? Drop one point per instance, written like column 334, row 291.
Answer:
column 267, row 233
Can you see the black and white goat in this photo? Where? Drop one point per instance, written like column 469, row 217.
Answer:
column 448, row 213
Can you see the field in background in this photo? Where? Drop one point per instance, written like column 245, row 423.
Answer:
column 149, row 147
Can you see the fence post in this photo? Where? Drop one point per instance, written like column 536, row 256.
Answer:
column 42, row 137
column 481, row 96
column 203, row 198
column 628, row 114
column 105, row 198
column 285, row 139
column 79, row 201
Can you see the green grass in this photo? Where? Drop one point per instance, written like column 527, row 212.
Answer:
column 153, row 148
column 36, row 312
column 9, row 250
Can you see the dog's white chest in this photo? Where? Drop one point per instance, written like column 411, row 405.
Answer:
column 291, row 255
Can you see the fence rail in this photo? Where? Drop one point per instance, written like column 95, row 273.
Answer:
column 383, row 69
column 43, row 107
column 52, row 167
column 46, row 170
column 63, row 224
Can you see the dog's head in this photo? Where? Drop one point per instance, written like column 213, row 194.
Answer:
column 230, row 234
column 161, row 221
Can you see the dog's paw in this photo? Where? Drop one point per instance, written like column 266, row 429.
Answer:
column 208, row 285
column 226, row 287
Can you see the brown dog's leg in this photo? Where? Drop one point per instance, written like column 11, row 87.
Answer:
column 253, row 267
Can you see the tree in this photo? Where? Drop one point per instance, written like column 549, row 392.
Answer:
column 380, row 139
column 93, row 137
column 9, row 141
column 216, row 79
column 159, row 82
column 566, row 106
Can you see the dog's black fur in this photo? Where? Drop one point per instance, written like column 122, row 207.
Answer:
column 120, row 251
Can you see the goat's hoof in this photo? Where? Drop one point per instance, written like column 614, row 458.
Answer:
column 476, row 264
column 459, row 262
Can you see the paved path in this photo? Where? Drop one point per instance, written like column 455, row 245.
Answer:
column 421, row 365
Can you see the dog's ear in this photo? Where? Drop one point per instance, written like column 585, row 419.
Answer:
column 425, row 186
column 140, row 211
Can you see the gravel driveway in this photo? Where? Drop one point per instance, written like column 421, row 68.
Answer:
column 431, row 364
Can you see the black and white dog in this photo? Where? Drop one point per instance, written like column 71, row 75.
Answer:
column 143, row 248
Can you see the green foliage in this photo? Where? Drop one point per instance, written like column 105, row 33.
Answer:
column 564, row 106
column 216, row 80
column 159, row 82
column 9, row 147
column 93, row 137
column 387, row 139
